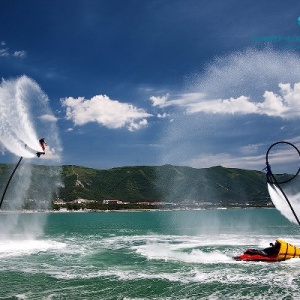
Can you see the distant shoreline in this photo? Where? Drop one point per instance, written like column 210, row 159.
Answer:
column 124, row 210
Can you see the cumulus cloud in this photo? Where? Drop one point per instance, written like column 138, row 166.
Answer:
column 48, row 118
column 284, row 104
column 160, row 101
column 241, row 105
column 162, row 116
column 105, row 111
column 6, row 52
column 20, row 54
column 135, row 126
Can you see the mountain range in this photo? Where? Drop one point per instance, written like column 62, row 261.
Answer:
column 167, row 183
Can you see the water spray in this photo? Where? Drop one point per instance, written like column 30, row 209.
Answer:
column 26, row 115
column 272, row 180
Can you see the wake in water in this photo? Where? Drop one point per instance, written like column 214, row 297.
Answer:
column 120, row 256
column 25, row 117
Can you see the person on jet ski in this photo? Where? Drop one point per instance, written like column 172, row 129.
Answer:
column 269, row 251
column 273, row 249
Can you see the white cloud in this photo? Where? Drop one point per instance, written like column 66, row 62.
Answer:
column 252, row 157
column 254, row 162
column 162, row 116
column 20, row 54
column 5, row 52
column 250, row 149
column 285, row 104
column 240, row 105
column 160, row 101
column 135, row 126
column 109, row 113
column 48, row 118
column 183, row 100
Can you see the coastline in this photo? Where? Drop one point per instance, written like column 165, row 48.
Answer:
column 126, row 210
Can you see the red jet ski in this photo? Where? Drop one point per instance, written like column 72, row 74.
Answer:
column 256, row 255
column 278, row 252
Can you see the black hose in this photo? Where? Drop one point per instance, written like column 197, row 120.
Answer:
column 272, row 179
column 268, row 165
column 10, row 178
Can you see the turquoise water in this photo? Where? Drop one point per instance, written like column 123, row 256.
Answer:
column 144, row 255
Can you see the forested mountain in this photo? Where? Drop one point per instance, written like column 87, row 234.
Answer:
column 167, row 183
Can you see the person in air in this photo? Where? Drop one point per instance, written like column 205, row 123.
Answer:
column 269, row 174
column 43, row 146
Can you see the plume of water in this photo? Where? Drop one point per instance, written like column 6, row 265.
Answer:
column 204, row 139
column 281, row 204
column 285, row 159
column 16, row 127
column 25, row 117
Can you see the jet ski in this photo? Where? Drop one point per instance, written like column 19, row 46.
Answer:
column 278, row 252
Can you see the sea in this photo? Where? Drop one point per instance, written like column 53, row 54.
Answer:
column 179, row 254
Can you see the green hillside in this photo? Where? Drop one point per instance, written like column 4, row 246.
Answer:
column 165, row 183
column 168, row 183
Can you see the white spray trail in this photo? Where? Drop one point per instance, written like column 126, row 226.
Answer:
column 25, row 117
column 281, row 204
column 16, row 127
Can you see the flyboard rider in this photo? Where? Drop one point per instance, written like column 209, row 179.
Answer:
column 43, row 146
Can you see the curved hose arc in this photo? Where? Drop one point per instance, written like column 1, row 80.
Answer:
column 9, row 180
column 274, row 181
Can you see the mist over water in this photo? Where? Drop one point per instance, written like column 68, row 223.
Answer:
column 232, row 140
column 192, row 138
column 26, row 117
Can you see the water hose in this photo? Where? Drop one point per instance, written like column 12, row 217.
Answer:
column 10, row 178
column 272, row 179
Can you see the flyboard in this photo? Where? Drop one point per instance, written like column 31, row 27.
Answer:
column 38, row 154
column 281, row 250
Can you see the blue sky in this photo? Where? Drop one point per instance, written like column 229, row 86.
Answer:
column 196, row 83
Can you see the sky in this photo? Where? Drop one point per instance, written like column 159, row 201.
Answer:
column 196, row 83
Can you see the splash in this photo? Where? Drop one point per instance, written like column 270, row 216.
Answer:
column 233, row 140
column 25, row 117
column 283, row 185
column 16, row 127
column 281, row 204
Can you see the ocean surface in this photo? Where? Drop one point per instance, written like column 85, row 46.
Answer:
column 145, row 255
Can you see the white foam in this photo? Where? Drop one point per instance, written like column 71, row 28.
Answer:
column 165, row 252
column 10, row 248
